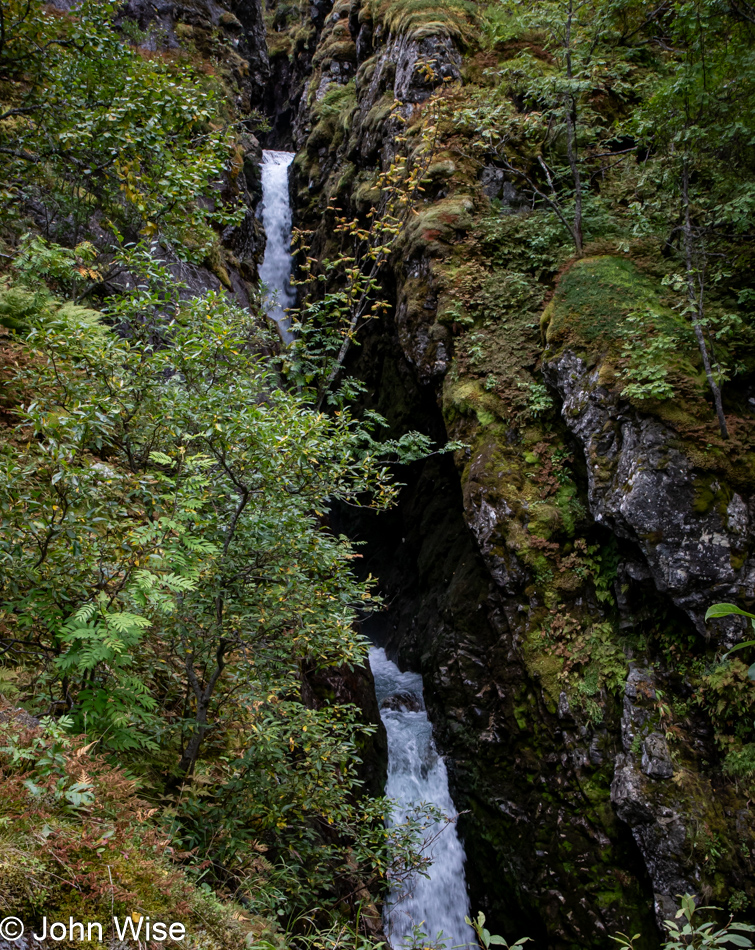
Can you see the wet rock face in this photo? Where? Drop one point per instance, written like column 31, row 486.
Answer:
column 677, row 813
column 402, row 702
column 659, row 830
column 541, row 858
column 239, row 21
column 584, row 813
column 422, row 65
column 692, row 529
column 403, row 70
column 497, row 186
column 252, row 44
column 645, row 800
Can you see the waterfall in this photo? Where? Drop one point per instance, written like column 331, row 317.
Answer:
column 275, row 272
column 416, row 773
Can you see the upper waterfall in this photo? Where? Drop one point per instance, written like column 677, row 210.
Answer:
column 275, row 272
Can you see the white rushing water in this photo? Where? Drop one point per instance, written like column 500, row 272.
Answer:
column 275, row 272
column 416, row 774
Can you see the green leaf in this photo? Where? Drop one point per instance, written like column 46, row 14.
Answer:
column 740, row 646
column 737, row 940
column 726, row 610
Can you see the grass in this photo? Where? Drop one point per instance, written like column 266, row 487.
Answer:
column 422, row 18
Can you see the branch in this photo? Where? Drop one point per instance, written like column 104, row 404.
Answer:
column 10, row 112
column 16, row 153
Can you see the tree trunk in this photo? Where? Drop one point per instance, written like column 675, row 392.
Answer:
column 203, row 696
column 696, row 306
column 191, row 753
column 570, row 105
column 571, row 151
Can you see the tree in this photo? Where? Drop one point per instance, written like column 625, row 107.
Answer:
column 545, row 106
column 95, row 133
column 698, row 118
column 167, row 570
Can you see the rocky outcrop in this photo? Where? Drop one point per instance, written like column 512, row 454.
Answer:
column 658, row 824
column 693, row 530
column 234, row 29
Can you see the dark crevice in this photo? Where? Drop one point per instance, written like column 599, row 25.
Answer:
column 445, row 618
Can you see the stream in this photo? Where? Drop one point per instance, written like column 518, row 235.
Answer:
column 436, row 904
column 417, row 774
column 275, row 272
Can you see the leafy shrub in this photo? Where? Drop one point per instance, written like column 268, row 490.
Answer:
column 741, row 762
column 685, row 930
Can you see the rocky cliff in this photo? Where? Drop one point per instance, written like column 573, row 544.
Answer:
column 550, row 581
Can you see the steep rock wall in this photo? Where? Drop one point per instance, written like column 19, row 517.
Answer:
column 550, row 580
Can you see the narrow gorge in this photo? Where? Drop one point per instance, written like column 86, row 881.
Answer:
column 550, row 584
column 502, row 382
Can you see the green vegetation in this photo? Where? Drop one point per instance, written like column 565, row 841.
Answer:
column 175, row 606
column 555, row 218
column 686, row 930
column 65, row 806
column 605, row 307
column 159, row 504
column 91, row 126
column 422, row 18
column 172, row 595
column 600, row 134
column 731, row 610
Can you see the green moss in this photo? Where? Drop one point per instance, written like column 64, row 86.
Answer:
column 279, row 44
column 711, row 492
column 418, row 18
column 334, row 112
column 366, row 193
column 521, row 714
column 469, row 396
column 439, row 221
column 606, row 898
column 593, row 299
column 339, row 47
column 441, row 168
column 547, row 667
column 380, row 112
column 603, row 309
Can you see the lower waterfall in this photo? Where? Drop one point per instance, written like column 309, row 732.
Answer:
column 275, row 272
column 416, row 774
